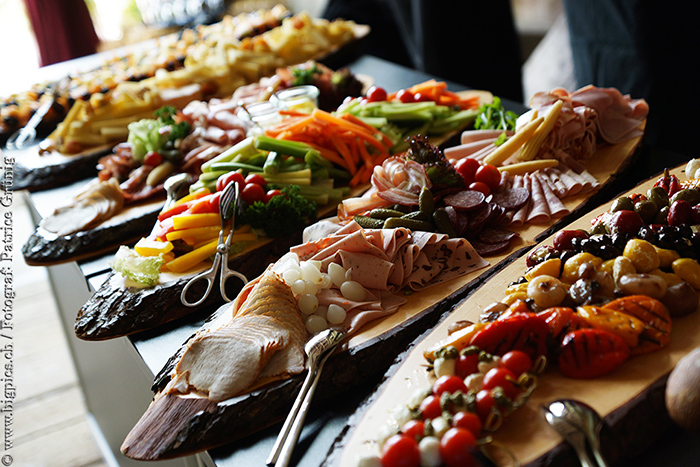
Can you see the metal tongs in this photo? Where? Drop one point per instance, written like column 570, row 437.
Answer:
column 228, row 205
column 317, row 349
column 580, row 426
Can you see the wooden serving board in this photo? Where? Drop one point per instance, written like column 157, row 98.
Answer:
column 177, row 426
column 35, row 172
column 630, row 399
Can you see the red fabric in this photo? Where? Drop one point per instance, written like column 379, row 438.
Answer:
column 63, row 29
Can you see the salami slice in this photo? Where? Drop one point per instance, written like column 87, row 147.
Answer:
column 478, row 218
column 511, row 198
column 465, row 200
column 490, row 249
column 492, row 236
column 458, row 219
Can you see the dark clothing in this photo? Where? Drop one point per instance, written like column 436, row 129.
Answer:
column 471, row 43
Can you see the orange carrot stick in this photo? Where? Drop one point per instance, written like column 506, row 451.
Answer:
column 343, row 150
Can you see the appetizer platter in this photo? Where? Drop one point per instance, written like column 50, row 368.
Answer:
column 110, row 312
column 646, row 298
column 170, row 142
column 381, row 318
column 213, row 62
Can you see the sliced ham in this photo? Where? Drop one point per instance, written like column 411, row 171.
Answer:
column 469, row 136
column 539, row 209
column 468, row 149
column 554, row 205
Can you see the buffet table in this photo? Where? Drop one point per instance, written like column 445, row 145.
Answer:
column 116, row 375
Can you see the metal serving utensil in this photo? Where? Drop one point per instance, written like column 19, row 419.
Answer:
column 26, row 135
column 227, row 208
column 173, row 185
column 580, row 425
column 317, row 349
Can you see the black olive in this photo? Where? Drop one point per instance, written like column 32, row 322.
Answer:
column 10, row 121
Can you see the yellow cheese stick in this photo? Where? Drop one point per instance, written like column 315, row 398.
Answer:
column 528, row 166
column 534, row 144
column 507, row 149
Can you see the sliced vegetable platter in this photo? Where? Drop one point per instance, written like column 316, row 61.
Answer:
column 166, row 429
column 631, row 398
column 112, row 309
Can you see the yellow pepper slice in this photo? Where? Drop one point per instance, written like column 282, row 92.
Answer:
column 189, row 221
column 194, row 257
column 198, row 233
column 192, row 196
column 150, row 247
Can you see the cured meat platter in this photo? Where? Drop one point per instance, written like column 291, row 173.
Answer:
column 166, row 429
column 631, row 399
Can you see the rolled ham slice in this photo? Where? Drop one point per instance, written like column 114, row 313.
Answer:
column 469, row 136
column 539, row 208
column 554, row 205
column 467, row 149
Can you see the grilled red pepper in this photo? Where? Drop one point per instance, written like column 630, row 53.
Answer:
column 590, row 353
column 525, row 332
column 669, row 182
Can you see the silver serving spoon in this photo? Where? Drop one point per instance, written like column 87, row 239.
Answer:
column 580, row 425
column 26, row 135
column 173, row 185
column 317, row 349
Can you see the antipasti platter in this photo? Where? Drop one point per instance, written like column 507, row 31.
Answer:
column 628, row 393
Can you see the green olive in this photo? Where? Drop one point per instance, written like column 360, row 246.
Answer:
column 647, row 210
column 662, row 216
column 691, row 195
column 622, row 203
column 599, row 228
column 658, row 196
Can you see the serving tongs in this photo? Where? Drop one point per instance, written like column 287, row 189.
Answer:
column 228, row 205
column 580, row 425
column 317, row 349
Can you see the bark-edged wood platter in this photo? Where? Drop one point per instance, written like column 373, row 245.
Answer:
column 631, row 399
column 35, row 172
column 176, row 426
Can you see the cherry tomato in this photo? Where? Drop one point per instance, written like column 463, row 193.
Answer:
column 489, row 175
column 224, row 180
column 420, row 97
column 405, row 96
column 467, row 168
column 430, row 407
column 414, row 429
column 376, row 94
column 456, row 447
column 480, row 186
column 469, row 421
column 214, row 202
column 516, row 361
column 152, row 158
column 449, row 384
column 501, row 377
column 256, row 179
column 484, row 403
column 271, row 194
column 252, row 193
column 400, row 451
column 467, row 365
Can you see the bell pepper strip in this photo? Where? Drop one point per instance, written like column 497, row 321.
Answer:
column 561, row 321
column 150, row 247
column 669, row 182
column 176, row 209
column 525, row 332
column 161, row 229
column 654, row 316
column 623, row 325
column 590, row 353
column 194, row 257
column 188, row 221
column 197, row 233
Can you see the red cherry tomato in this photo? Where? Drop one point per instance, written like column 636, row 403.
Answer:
column 152, row 158
column 214, row 202
column 271, row 194
column 501, row 377
column 430, row 407
column 467, row 365
column 400, row 451
column 376, row 94
column 256, row 179
column 449, row 384
column 484, row 403
column 516, row 361
column 405, row 96
column 456, row 447
column 420, row 97
column 467, row 168
column 414, row 429
column 469, row 421
column 224, row 180
column 480, row 186
column 489, row 175
column 252, row 193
